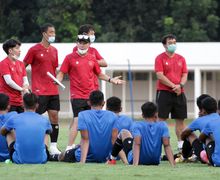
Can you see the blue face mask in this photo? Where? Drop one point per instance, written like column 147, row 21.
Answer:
column 171, row 48
column 51, row 39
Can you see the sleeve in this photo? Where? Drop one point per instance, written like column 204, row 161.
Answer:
column 9, row 124
column 96, row 69
column 81, row 122
column 24, row 72
column 5, row 69
column 29, row 58
column 185, row 70
column 65, row 65
column 165, row 132
column 158, row 65
column 207, row 130
column 135, row 130
column 194, row 125
column 97, row 55
column 116, row 124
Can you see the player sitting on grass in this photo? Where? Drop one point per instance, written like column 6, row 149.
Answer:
column 95, row 127
column 148, row 137
column 210, row 136
column 31, row 130
column 123, row 122
column 4, row 115
column 192, row 145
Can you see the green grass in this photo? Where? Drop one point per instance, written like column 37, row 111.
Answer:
column 55, row 170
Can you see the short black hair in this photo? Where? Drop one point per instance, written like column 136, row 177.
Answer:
column 114, row 104
column 149, row 109
column 84, row 29
column 4, row 101
column 30, row 100
column 96, row 98
column 209, row 104
column 218, row 104
column 10, row 43
column 199, row 100
column 45, row 27
column 168, row 36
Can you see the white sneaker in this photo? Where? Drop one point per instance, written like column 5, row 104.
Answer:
column 70, row 147
column 54, row 150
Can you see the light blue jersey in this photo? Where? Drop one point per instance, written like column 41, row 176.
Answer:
column 30, row 129
column 4, row 153
column 123, row 122
column 151, row 134
column 99, row 124
column 201, row 122
column 213, row 128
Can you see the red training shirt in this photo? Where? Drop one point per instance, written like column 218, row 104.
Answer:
column 172, row 68
column 42, row 60
column 81, row 71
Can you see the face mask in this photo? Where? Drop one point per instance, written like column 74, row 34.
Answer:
column 51, row 39
column 82, row 51
column 15, row 57
column 171, row 48
column 92, row 38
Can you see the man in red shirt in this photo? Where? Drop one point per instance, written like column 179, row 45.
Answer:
column 14, row 79
column 171, row 71
column 43, row 58
column 90, row 31
column 81, row 67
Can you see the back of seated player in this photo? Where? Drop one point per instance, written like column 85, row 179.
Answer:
column 31, row 129
column 4, row 115
column 146, row 139
column 95, row 127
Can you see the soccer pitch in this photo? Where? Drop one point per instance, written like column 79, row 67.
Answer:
column 63, row 171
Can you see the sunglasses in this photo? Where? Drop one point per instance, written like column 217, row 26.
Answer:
column 82, row 36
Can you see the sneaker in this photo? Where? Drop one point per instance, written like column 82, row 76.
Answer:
column 193, row 158
column 111, row 162
column 204, row 157
column 54, row 150
column 71, row 147
column 180, row 159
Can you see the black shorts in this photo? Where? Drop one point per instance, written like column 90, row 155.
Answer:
column 51, row 102
column 79, row 105
column 11, row 150
column 18, row 109
column 210, row 148
column 169, row 102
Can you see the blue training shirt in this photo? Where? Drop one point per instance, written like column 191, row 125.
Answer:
column 99, row 124
column 201, row 122
column 4, row 153
column 213, row 128
column 151, row 134
column 123, row 122
column 30, row 129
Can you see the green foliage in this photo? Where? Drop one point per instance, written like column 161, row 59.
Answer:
column 114, row 21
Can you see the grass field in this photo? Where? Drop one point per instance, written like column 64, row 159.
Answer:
column 63, row 171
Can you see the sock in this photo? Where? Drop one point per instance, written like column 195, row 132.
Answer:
column 186, row 149
column 117, row 147
column 127, row 145
column 197, row 147
column 55, row 132
column 180, row 144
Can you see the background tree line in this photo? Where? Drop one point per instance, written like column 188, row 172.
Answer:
column 114, row 21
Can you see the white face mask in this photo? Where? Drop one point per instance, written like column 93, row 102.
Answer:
column 15, row 57
column 92, row 38
column 51, row 39
column 82, row 51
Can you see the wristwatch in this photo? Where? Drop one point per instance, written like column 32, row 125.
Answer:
column 181, row 85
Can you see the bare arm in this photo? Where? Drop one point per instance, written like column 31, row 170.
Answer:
column 136, row 150
column 168, row 151
column 114, row 80
column 164, row 80
column 84, row 145
column 186, row 132
column 102, row 63
column 60, row 76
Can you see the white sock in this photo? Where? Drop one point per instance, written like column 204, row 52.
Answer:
column 180, row 144
column 68, row 148
column 112, row 157
column 53, row 144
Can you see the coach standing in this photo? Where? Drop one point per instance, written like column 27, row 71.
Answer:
column 43, row 58
column 171, row 71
